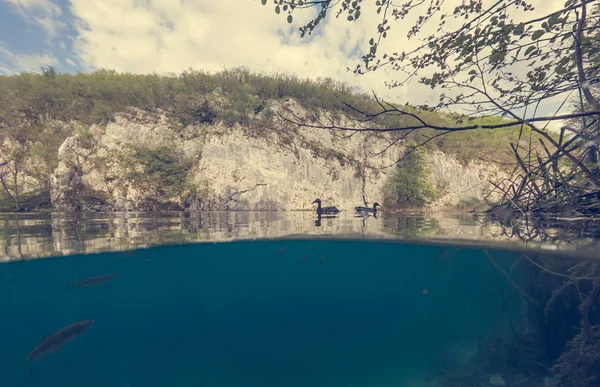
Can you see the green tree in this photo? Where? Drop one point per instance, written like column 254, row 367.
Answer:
column 410, row 184
column 160, row 172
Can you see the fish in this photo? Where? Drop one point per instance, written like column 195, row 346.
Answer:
column 282, row 250
column 97, row 280
column 55, row 341
column 304, row 258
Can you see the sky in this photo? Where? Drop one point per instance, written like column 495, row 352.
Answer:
column 169, row 36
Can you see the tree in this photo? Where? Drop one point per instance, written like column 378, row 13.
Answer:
column 159, row 172
column 479, row 56
column 410, row 182
column 15, row 140
column 475, row 59
column 12, row 164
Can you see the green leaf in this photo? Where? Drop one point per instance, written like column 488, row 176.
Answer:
column 472, row 72
column 357, row 14
column 552, row 20
column 529, row 50
column 277, row 10
column 542, row 76
column 537, row 34
column 290, row 18
column 519, row 29
column 350, row 17
column 371, row 41
column 264, row 2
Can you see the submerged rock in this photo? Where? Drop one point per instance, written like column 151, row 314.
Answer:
column 497, row 381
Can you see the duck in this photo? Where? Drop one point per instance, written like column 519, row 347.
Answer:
column 367, row 209
column 325, row 210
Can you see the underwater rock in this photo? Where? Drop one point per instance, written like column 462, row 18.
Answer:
column 548, row 382
column 497, row 381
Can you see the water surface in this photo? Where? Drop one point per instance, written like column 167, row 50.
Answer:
column 49, row 234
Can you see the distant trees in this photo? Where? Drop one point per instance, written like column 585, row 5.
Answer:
column 230, row 96
column 12, row 163
column 15, row 140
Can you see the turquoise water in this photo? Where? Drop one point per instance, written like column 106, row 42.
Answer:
column 317, row 313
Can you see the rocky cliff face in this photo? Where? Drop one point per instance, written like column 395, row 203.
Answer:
column 281, row 167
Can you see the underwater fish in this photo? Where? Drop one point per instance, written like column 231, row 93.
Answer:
column 55, row 341
column 282, row 250
column 95, row 280
column 304, row 258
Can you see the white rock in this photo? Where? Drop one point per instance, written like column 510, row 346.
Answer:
column 280, row 168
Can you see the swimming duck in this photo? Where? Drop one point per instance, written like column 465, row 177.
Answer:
column 325, row 210
column 367, row 209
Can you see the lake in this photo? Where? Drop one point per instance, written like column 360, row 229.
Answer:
column 276, row 298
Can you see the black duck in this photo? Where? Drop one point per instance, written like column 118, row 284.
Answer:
column 325, row 210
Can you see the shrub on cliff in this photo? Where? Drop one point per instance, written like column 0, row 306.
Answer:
column 194, row 109
column 160, row 172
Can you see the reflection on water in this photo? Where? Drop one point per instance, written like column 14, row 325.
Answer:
column 47, row 234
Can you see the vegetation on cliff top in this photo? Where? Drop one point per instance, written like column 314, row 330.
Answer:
column 32, row 103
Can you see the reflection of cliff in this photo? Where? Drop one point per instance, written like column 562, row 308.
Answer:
column 38, row 235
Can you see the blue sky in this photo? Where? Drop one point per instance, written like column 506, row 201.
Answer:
column 32, row 35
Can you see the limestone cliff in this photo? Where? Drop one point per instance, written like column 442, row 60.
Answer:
column 253, row 167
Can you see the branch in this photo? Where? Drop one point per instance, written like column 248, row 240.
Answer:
column 579, row 59
column 425, row 125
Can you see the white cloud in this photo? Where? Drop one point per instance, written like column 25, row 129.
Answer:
column 71, row 62
column 171, row 36
column 11, row 62
column 41, row 12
